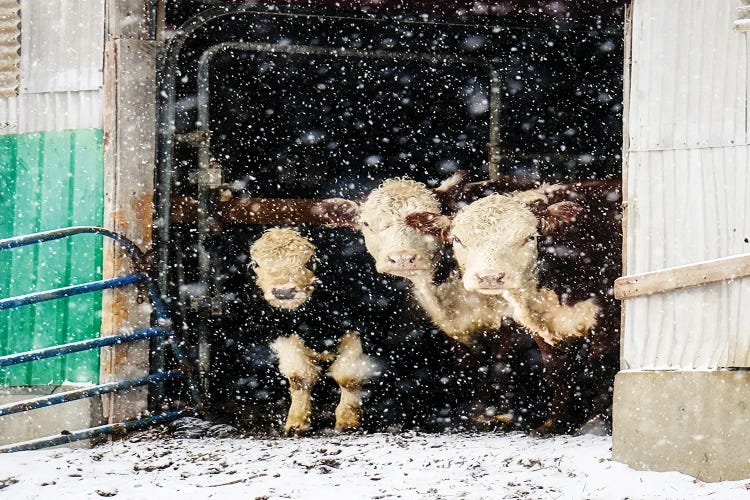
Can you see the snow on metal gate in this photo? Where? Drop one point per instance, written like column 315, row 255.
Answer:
column 162, row 330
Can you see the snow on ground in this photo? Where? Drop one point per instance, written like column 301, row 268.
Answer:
column 407, row 465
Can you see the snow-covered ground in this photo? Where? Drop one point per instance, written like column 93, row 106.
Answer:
column 406, row 465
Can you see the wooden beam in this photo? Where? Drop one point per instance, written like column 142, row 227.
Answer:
column 293, row 211
column 279, row 211
column 677, row 278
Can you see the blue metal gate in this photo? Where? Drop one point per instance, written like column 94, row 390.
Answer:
column 161, row 328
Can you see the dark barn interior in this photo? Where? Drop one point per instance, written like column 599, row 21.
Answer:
column 316, row 124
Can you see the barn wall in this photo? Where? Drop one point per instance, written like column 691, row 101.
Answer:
column 687, row 175
column 50, row 180
column 687, row 182
column 76, row 147
column 61, row 45
column 51, row 176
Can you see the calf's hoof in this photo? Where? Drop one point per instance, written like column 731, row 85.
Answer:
column 347, row 424
column 503, row 420
column 296, row 430
column 348, row 417
column 547, row 429
column 343, row 429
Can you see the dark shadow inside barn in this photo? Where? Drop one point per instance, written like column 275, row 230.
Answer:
column 309, row 103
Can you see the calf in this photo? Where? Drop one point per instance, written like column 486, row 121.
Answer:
column 548, row 257
column 280, row 259
column 400, row 250
column 472, row 319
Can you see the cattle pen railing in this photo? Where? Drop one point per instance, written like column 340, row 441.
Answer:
column 678, row 278
column 160, row 328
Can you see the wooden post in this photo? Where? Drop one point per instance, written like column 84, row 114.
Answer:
column 129, row 126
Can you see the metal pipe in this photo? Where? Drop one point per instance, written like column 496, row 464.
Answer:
column 187, row 367
column 69, row 291
column 203, row 134
column 30, row 239
column 165, row 119
column 494, row 142
column 161, row 311
column 167, row 67
column 83, row 345
column 136, row 254
column 87, row 392
column 153, row 8
column 117, row 429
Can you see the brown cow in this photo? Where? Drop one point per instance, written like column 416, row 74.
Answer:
column 548, row 257
column 474, row 320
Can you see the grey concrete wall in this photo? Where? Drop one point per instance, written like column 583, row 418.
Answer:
column 695, row 422
column 72, row 416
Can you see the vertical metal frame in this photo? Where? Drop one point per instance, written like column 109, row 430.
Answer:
column 201, row 137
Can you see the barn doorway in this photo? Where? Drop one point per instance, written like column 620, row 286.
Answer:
column 299, row 103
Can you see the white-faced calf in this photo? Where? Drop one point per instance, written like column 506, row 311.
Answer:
column 281, row 259
column 561, row 295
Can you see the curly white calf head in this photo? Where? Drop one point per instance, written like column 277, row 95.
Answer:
column 397, row 248
column 281, row 259
column 494, row 238
column 494, row 241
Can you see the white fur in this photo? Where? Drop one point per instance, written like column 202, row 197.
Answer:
column 495, row 235
column 351, row 370
column 352, row 366
column 280, row 258
column 297, row 364
column 295, row 359
column 381, row 220
column 459, row 313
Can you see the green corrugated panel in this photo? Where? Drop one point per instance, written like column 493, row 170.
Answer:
column 51, row 180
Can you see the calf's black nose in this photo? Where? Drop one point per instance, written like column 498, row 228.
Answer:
column 490, row 279
column 284, row 293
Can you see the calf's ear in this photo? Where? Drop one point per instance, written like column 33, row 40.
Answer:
column 337, row 212
column 435, row 225
column 448, row 190
column 553, row 218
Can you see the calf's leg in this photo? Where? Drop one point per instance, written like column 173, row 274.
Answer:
column 297, row 365
column 351, row 370
column 559, row 369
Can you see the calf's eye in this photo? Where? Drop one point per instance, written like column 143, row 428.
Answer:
column 456, row 241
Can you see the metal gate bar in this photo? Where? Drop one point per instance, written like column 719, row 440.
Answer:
column 162, row 330
column 69, row 291
column 87, row 392
column 82, row 345
column 112, row 429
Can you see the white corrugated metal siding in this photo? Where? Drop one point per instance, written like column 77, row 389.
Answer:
column 10, row 20
column 688, row 181
column 688, row 206
column 61, row 68
column 689, row 75
column 63, row 45
column 27, row 113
